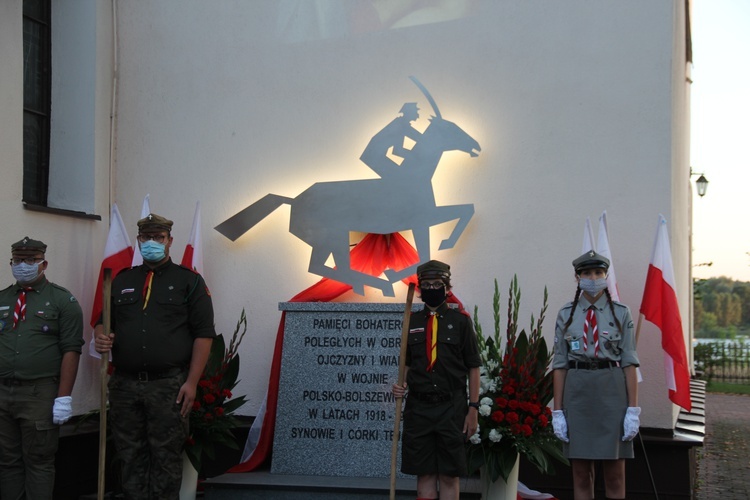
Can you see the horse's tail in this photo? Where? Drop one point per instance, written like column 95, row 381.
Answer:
column 240, row 223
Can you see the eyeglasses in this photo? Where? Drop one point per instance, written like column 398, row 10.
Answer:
column 26, row 260
column 159, row 238
column 431, row 285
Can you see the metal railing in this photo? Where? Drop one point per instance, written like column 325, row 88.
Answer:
column 723, row 360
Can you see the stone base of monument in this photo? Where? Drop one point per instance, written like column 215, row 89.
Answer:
column 267, row 486
column 334, row 429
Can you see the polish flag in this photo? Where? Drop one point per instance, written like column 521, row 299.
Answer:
column 588, row 238
column 145, row 210
column 659, row 306
column 118, row 254
column 193, row 256
column 603, row 246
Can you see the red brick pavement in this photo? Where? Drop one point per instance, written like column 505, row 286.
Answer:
column 724, row 460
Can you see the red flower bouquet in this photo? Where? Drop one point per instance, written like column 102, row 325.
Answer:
column 515, row 389
column 211, row 421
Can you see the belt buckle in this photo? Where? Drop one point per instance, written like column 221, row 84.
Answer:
column 142, row 376
column 593, row 365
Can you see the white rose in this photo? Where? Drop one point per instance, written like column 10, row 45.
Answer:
column 495, row 436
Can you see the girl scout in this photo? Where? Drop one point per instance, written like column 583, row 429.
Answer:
column 596, row 412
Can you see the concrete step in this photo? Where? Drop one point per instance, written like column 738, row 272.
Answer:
column 267, row 486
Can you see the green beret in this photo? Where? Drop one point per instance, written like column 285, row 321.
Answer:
column 28, row 245
column 153, row 221
column 590, row 260
column 433, row 269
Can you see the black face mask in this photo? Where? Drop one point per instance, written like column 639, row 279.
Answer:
column 433, row 298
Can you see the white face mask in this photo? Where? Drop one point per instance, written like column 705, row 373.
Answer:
column 26, row 273
column 592, row 287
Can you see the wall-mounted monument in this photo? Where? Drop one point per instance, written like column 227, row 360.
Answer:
column 329, row 388
column 401, row 200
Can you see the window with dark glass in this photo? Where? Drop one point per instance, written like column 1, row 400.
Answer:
column 36, row 100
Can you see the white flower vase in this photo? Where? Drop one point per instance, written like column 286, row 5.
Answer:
column 500, row 490
column 189, row 487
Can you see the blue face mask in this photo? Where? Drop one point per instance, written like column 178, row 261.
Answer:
column 25, row 273
column 592, row 286
column 152, row 251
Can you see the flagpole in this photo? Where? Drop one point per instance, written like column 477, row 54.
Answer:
column 106, row 303
column 401, row 370
column 638, row 328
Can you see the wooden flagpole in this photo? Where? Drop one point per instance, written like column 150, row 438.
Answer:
column 401, row 370
column 104, row 369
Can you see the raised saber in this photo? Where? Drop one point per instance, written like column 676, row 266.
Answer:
column 427, row 95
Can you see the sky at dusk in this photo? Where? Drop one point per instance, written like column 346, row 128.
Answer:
column 720, row 137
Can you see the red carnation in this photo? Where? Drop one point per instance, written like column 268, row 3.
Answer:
column 219, row 411
column 209, row 398
column 511, row 417
column 501, row 402
column 498, row 416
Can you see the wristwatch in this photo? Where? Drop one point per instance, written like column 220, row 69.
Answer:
column 474, row 405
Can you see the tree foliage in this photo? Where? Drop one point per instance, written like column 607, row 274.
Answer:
column 721, row 307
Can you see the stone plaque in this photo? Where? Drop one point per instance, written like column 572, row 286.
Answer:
column 335, row 415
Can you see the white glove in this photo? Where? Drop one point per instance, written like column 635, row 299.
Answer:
column 632, row 423
column 62, row 411
column 560, row 425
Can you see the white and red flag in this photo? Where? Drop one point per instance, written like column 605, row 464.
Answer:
column 603, row 249
column 659, row 306
column 145, row 210
column 193, row 256
column 118, row 254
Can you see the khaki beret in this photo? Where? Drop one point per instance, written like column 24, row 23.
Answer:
column 27, row 245
column 433, row 269
column 154, row 221
column 590, row 260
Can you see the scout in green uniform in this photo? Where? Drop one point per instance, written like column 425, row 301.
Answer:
column 442, row 353
column 41, row 334
column 596, row 412
column 163, row 327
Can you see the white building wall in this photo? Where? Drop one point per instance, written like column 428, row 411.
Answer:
column 75, row 245
column 579, row 107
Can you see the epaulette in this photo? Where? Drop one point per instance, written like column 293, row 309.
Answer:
column 63, row 289
column 195, row 271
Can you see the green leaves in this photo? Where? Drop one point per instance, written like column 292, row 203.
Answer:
column 211, row 421
column 514, row 392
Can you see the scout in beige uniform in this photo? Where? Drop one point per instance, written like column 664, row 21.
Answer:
column 595, row 386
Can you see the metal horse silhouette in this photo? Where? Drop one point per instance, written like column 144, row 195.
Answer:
column 403, row 200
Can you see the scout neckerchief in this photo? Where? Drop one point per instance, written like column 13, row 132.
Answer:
column 19, row 313
column 589, row 325
column 147, row 288
column 432, row 328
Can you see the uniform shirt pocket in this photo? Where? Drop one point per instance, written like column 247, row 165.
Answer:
column 575, row 342
column 611, row 342
column 46, row 321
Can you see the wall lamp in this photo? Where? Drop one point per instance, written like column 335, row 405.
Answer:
column 701, row 184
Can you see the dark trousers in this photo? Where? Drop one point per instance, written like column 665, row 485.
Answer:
column 149, row 435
